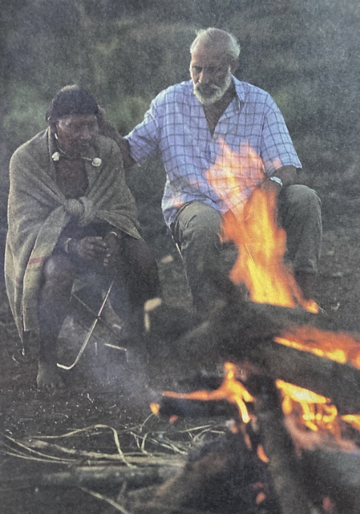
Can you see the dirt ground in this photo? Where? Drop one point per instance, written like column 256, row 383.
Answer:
column 102, row 390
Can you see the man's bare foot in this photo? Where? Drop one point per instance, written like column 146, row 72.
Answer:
column 48, row 377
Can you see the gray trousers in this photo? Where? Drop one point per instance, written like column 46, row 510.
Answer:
column 197, row 232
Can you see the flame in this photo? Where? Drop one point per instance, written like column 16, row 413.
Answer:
column 352, row 419
column 261, row 454
column 260, row 498
column 155, row 408
column 234, row 175
column 337, row 346
column 231, row 390
column 252, row 224
column 316, row 411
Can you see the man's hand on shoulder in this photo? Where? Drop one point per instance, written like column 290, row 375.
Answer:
column 106, row 128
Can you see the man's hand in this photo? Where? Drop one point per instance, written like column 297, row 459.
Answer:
column 287, row 176
column 106, row 128
column 89, row 248
column 112, row 243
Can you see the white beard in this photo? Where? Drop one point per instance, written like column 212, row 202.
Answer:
column 213, row 93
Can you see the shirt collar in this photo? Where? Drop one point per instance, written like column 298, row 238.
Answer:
column 240, row 90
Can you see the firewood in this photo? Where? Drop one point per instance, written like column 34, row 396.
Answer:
column 283, row 464
column 96, row 476
column 335, row 474
column 190, row 409
column 242, row 331
column 224, row 476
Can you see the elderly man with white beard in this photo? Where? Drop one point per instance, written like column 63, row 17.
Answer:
column 194, row 124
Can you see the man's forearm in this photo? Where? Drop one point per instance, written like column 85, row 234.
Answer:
column 125, row 151
column 286, row 174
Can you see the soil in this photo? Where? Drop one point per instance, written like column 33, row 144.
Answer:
column 102, row 390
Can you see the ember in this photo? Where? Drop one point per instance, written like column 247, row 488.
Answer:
column 231, row 389
column 336, row 346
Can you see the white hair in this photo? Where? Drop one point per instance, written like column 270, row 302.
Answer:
column 212, row 37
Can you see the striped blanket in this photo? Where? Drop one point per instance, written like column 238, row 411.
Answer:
column 38, row 212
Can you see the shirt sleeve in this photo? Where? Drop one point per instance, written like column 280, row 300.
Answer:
column 144, row 138
column 277, row 148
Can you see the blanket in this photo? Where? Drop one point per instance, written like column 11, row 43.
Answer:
column 38, row 212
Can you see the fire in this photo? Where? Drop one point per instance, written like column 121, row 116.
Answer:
column 251, row 223
column 231, row 390
column 352, row 419
column 309, row 411
column 315, row 411
column 337, row 346
column 155, row 408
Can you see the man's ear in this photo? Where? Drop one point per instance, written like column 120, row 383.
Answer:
column 52, row 126
column 234, row 63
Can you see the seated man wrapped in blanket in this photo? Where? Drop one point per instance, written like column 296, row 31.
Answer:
column 70, row 212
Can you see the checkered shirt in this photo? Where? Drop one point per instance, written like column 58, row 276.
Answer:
column 250, row 141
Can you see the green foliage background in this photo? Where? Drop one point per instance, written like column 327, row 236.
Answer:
column 304, row 52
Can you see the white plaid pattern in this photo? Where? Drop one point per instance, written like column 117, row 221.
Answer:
column 176, row 125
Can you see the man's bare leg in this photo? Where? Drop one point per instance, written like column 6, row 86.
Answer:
column 53, row 308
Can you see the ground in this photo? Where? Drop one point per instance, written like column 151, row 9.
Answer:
column 115, row 398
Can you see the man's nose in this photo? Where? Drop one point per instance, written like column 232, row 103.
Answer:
column 85, row 134
column 204, row 77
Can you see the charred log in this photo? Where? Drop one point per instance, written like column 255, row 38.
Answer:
column 283, row 463
column 243, row 332
column 224, row 476
column 190, row 409
column 333, row 474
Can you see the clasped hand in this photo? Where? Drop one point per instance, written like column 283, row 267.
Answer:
column 97, row 249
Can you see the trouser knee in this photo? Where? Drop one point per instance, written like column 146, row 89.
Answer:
column 197, row 230
column 300, row 216
column 59, row 272
column 298, row 200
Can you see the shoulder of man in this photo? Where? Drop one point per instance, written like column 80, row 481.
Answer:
column 174, row 92
column 247, row 91
column 108, row 148
column 36, row 147
column 35, row 142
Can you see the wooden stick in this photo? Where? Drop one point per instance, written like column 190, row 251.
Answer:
column 96, row 476
column 283, row 464
column 335, row 474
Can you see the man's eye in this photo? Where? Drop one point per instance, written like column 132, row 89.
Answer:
column 197, row 69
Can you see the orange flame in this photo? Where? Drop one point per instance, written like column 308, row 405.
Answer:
column 251, row 223
column 316, row 411
column 337, row 346
column 231, row 390
column 155, row 408
column 261, row 454
column 352, row 419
